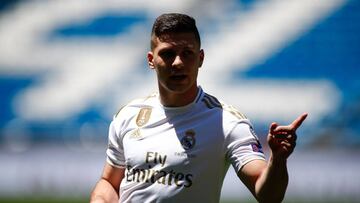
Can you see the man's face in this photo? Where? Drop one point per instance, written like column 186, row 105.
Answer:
column 176, row 57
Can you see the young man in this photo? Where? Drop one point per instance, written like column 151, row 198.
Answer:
column 177, row 145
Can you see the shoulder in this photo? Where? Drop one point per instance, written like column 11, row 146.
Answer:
column 231, row 111
column 129, row 112
column 230, row 116
column 135, row 105
column 228, row 110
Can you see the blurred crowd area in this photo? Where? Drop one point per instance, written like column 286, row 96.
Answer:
column 66, row 67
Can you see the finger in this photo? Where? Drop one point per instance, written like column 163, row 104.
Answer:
column 297, row 122
column 289, row 148
column 286, row 144
column 272, row 128
column 285, row 135
column 291, row 138
column 283, row 129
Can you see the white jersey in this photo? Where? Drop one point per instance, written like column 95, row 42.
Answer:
column 179, row 154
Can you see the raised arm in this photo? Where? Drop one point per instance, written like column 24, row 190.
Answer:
column 107, row 189
column 268, row 181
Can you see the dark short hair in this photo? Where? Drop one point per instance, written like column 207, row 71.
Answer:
column 174, row 23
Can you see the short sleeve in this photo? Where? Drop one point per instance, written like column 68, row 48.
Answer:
column 243, row 145
column 115, row 151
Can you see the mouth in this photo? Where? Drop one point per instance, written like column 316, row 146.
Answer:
column 178, row 77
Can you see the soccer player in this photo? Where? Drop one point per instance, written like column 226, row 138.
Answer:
column 177, row 145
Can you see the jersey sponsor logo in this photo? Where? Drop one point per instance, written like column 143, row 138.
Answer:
column 156, row 158
column 143, row 116
column 164, row 177
column 159, row 176
column 188, row 141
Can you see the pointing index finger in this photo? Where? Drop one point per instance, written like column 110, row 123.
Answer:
column 297, row 122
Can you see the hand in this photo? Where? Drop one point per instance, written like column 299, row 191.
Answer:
column 282, row 139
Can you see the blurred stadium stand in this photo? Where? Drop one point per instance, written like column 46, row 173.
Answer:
column 67, row 66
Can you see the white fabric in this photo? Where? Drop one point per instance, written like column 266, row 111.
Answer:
column 178, row 154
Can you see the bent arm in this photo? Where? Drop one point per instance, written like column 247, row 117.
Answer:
column 107, row 189
column 268, row 181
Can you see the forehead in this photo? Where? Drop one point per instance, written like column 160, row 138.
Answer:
column 175, row 40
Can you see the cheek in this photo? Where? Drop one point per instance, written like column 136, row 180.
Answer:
column 161, row 71
column 159, row 62
column 195, row 72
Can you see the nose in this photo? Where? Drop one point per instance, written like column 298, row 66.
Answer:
column 177, row 63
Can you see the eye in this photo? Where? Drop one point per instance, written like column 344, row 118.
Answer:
column 167, row 54
column 187, row 53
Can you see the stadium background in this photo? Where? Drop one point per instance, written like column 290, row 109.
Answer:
column 67, row 66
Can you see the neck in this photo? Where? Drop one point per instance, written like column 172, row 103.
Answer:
column 174, row 99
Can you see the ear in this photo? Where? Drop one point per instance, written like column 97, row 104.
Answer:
column 202, row 55
column 150, row 59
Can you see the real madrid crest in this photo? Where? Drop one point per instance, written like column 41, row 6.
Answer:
column 188, row 141
column 143, row 116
